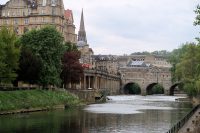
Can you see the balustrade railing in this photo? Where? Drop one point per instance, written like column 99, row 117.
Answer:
column 182, row 122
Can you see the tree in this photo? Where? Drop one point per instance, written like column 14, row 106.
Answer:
column 175, row 58
column 157, row 89
column 47, row 45
column 188, row 68
column 197, row 19
column 9, row 55
column 72, row 70
column 29, row 67
column 132, row 88
column 186, row 63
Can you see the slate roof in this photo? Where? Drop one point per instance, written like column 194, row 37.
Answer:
column 104, row 57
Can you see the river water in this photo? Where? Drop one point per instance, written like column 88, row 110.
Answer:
column 120, row 114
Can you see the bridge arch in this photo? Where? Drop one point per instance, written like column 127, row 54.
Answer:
column 154, row 88
column 175, row 88
column 132, row 88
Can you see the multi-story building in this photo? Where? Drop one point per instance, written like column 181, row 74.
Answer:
column 106, row 63
column 24, row 15
column 70, row 27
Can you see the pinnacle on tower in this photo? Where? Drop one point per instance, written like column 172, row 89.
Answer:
column 82, row 32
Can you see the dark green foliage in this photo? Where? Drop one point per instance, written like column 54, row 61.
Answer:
column 157, row 89
column 188, row 69
column 133, row 88
column 175, row 58
column 47, row 45
column 9, row 55
column 190, row 89
column 29, row 67
column 162, row 53
column 197, row 20
column 13, row 100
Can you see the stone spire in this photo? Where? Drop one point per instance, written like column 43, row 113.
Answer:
column 81, row 32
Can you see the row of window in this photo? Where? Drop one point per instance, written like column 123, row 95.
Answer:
column 14, row 22
column 26, row 12
column 142, row 59
column 162, row 62
column 146, row 75
column 43, row 2
column 21, row 30
column 27, row 21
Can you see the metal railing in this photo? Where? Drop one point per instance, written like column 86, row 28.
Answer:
column 181, row 123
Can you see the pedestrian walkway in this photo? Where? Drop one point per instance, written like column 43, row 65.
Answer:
column 192, row 125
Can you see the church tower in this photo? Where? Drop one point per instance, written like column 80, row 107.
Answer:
column 82, row 33
column 83, row 46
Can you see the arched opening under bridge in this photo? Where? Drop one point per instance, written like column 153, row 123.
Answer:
column 132, row 88
column 154, row 88
column 176, row 89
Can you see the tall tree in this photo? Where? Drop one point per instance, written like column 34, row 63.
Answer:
column 175, row 58
column 9, row 55
column 47, row 45
column 29, row 67
column 72, row 70
column 188, row 70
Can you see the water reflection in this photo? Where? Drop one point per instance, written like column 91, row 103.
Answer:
column 151, row 120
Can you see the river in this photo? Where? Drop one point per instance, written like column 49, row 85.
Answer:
column 120, row 114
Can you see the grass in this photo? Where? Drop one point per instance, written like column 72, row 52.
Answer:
column 26, row 99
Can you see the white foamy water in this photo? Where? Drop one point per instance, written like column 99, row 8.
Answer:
column 147, row 98
column 132, row 104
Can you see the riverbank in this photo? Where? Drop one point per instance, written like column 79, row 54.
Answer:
column 35, row 100
column 192, row 125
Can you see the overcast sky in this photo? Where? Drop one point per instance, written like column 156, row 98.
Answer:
column 126, row 26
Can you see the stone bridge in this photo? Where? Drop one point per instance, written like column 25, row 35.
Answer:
column 100, row 80
column 146, row 78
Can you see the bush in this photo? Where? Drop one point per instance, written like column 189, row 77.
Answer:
column 25, row 99
column 134, row 88
column 157, row 89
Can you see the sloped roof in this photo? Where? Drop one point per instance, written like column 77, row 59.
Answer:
column 104, row 57
column 138, row 64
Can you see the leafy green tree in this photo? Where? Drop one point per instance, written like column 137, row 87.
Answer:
column 9, row 55
column 157, row 89
column 72, row 70
column 197, row 19
column 186, row 63
column 29, row 67
column 175, row 58
column 47, row 45
column 188, row 68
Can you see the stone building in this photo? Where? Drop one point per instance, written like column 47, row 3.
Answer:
column 83, row 46
column 24, row 15
column 106, row 63
column 70, row 27
column 154, row 60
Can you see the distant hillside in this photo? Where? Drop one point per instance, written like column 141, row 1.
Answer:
column 163, row 53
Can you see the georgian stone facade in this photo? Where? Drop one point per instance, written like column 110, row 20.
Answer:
column 24, row 15
column 106, row 63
